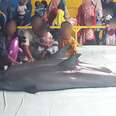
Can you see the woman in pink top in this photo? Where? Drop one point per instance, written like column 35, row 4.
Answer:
column 12, row 41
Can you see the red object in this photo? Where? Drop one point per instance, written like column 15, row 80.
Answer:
column 81, row 18
column 52, row 15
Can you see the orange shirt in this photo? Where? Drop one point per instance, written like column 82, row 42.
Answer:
column 72, row 42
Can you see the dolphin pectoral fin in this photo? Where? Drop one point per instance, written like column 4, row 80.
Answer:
column 70, row 62
column 62, row 51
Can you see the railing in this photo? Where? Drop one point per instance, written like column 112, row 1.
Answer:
column 75, row 28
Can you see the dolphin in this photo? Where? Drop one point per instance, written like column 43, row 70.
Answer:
column 51, row 75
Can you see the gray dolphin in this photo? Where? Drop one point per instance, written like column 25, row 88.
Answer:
column 50, row 75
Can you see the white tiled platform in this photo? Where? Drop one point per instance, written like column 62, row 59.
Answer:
column 78, row 102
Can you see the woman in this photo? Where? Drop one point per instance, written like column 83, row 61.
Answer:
column 87, row 17
column 9, row 45
column 60, row 18
column 53, row 10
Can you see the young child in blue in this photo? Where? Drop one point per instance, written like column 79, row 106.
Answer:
column 40, row 8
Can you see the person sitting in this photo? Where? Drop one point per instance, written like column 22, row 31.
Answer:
column 9, row 45
column 67, row 39
column 37, row 38
column 31, row 37
column 47, row 46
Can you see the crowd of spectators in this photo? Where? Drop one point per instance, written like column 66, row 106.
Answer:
column 40, row 42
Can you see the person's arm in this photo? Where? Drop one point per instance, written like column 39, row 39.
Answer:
column 26, row 46
column 12, row 60
column 27, row 52
column 75, row 46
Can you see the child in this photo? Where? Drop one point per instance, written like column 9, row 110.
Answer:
column 111, row 36
column 47, row 46
column 40, row 9
column 37, row 5
column 21, row 11
column 67, row 39
column 45, row 4
column 9, row 45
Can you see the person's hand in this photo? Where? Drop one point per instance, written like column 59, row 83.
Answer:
column 31, row 60
column 15, row 63
column 43, row 55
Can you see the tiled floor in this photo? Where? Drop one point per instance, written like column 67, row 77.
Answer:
column 79, row 102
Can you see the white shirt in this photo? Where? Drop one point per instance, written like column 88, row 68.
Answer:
column 22, row 9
